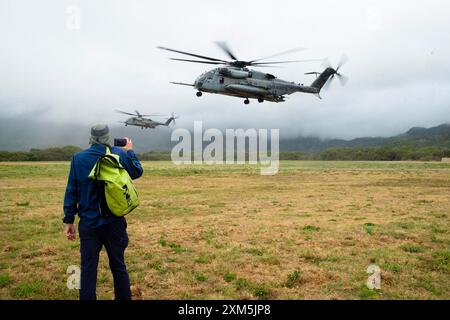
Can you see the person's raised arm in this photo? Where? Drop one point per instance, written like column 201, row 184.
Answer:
column 130, row 161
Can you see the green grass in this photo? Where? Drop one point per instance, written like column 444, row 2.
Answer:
column 255, row 251
column 242, row 284
column 311, row 228
column 438, row 214
column 412, row 248
column 226, row 232
column 28, row 290
column 5, row 279
column 162, row 241
column 176, row 248
column 261, row 291
column 205, row 258
column 368, row 227
column 201, row 277
column 292, row 279
column 441, row 260
column 392, row 267
column 367, row 294
column 229, row 276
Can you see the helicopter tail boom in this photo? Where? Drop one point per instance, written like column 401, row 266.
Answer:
column 169, row 121
column 323, row 78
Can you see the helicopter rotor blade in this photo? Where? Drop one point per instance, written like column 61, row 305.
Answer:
column 313, row 72
column 191, row 54
column 139, row 114
column 153, row 115
column 327, row 64
column 128, row 113
column 236, row 63
column 264, row 66
column 280, row 53
column 342, row 79
column 343, row 60
column 287, row 61
column 224, row 46
column 197, row 61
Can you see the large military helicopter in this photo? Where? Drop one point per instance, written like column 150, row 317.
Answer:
column 140, row 120
column 235, row 79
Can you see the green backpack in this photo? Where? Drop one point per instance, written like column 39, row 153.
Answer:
column 120, row 194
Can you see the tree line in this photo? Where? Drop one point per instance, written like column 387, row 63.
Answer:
column 51, row 154
column 372, row 154
column 392, row 153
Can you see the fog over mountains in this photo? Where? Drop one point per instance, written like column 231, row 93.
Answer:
column 24, row 133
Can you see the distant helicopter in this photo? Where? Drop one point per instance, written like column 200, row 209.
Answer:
column 235, row 79
column 140, row 120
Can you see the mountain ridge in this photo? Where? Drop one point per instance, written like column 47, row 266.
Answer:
column 438, row 136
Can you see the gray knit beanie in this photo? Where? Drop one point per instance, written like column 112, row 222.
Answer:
column 99, row 134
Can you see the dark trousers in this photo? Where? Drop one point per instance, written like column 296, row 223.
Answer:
column 115, row 239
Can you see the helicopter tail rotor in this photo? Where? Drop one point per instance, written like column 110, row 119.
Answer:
column 171, row 119
column 324, row 79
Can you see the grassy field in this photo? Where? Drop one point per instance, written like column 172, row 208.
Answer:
column 226, row 232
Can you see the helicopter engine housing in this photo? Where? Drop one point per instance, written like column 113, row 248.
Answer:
column 237, row 74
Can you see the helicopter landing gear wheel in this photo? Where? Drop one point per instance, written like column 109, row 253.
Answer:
column 246, row 101
column 199, row 94
column 260, row 100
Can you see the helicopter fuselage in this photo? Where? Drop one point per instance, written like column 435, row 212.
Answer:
column 247, row 83
column 142, row 122
column 235, row 79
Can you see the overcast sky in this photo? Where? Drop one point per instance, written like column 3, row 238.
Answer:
column 399, row 66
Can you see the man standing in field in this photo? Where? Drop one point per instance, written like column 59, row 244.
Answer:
column 98, row 226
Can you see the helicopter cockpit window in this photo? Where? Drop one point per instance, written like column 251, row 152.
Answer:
column 270, row 76
column 209, row 75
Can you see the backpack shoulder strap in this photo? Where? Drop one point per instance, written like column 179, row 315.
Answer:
column 98, row 164
column 114, row 158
